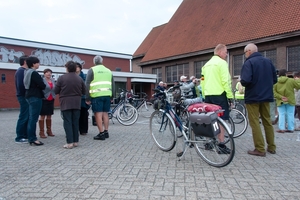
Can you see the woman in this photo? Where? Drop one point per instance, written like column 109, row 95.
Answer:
column 34, row 86
column 48, row 104
column 285, row 100
column 84, row 114
column 70, row 88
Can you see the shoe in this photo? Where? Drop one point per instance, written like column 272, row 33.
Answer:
column 75, row 144
column 271, row 151
column 222, row 149
column 100, row 136
column 257, row 153
column 106, row 134
column 289, row 131
column 21, row 141
column 36, row 143
column 280, row 131
column 68, row 146
column 83, row 133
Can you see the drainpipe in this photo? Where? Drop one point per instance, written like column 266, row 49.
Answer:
column 130, row 65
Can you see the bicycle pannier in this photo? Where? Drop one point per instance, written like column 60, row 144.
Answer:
column 205, row 124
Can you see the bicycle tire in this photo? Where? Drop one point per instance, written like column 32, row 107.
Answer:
column 146, row 109
column 127, row 115
column 163, row 130
column 242, row 108
column 210, row 151
column 240, row 122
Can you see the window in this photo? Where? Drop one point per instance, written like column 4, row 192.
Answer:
column 198, row 68
column 293, row 58
column 157, row 71
column 271, row 54
column 174, row 72
column 238, row 60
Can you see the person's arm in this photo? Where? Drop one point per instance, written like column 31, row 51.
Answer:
column 241, row 89
column 38, row 80
column 88, row 80
column 57, row 86
column 226, row 81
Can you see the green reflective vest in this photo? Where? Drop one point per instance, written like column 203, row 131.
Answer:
column 101, row 84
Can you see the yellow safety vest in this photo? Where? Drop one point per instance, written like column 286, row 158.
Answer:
column 101, row 84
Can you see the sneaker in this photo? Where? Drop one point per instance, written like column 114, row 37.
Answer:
column 22, row 141
column 106, row 134
column 100, row 136
column 222, row 149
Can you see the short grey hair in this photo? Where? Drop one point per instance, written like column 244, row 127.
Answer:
column 98, row 60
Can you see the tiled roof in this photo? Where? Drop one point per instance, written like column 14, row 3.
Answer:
column 148, row 41
column 202, row 24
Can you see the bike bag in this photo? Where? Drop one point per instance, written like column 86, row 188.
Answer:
column 204, row 124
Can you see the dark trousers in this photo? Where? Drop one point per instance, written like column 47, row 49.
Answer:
column 83, row 120
column 71, row 119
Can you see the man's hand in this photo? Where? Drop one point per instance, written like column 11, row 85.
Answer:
column 285, row 99
column 88, row 102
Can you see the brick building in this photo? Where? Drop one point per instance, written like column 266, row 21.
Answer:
column 54, row 57
column 184, row 44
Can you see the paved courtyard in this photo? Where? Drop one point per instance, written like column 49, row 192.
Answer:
column 129, row 166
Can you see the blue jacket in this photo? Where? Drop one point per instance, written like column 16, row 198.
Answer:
column 258, row 76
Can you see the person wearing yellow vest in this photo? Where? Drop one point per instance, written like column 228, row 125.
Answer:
column 240, row 91
column 216, row 86
column 99, row 81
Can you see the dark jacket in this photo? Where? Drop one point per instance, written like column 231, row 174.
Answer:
column 36, row 86
column 258, row 76
column 70, row 88
column 19, row 76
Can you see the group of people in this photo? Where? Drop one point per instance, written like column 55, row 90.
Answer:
column 257, row 80
column 36, row 97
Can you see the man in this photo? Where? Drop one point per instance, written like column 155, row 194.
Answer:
column 192, row 78
column 258, row 76
column 176, row 92
column 216, row 86
column 186, row 86
column 99, row 82
column 21, row 128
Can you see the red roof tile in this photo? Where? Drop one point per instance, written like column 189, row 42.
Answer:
column 148, row 41
column 202, row 24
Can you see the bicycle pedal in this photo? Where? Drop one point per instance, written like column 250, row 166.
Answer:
column 179, row 154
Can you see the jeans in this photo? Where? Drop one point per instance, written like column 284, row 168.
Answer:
column 21, row 128
column 35, row 106
column 286, row 111
column 71, row 124
column 273, row 108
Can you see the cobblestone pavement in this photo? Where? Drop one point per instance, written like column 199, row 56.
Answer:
column 128, row 165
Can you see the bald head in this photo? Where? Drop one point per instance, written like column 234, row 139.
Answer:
column 250, row 49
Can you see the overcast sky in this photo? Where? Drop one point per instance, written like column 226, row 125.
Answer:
column 107, row 25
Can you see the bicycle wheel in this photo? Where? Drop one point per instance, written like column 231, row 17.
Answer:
column 146, row 109
column 163, row 130
column 242, row 108
column 212, row 150
column 127, row 115
column 240, row 122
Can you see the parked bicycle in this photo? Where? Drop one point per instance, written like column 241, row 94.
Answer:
column 124, row 112
column 202, row 135
column 144, row 107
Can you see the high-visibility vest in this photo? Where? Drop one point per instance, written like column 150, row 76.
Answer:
column 101, row 84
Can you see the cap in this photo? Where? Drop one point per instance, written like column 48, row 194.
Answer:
column 182, row 77
column 176, row 81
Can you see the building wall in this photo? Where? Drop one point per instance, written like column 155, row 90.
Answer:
column 280, row 45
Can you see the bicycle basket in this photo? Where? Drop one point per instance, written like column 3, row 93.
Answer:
column 205, row 124
column 170, row 98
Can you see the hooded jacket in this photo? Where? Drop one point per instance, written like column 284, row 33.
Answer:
column 285, row 88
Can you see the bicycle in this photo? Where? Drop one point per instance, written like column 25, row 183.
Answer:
column 202, row 136
column 124, row 112
column 144, row 107
column 238, row 118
